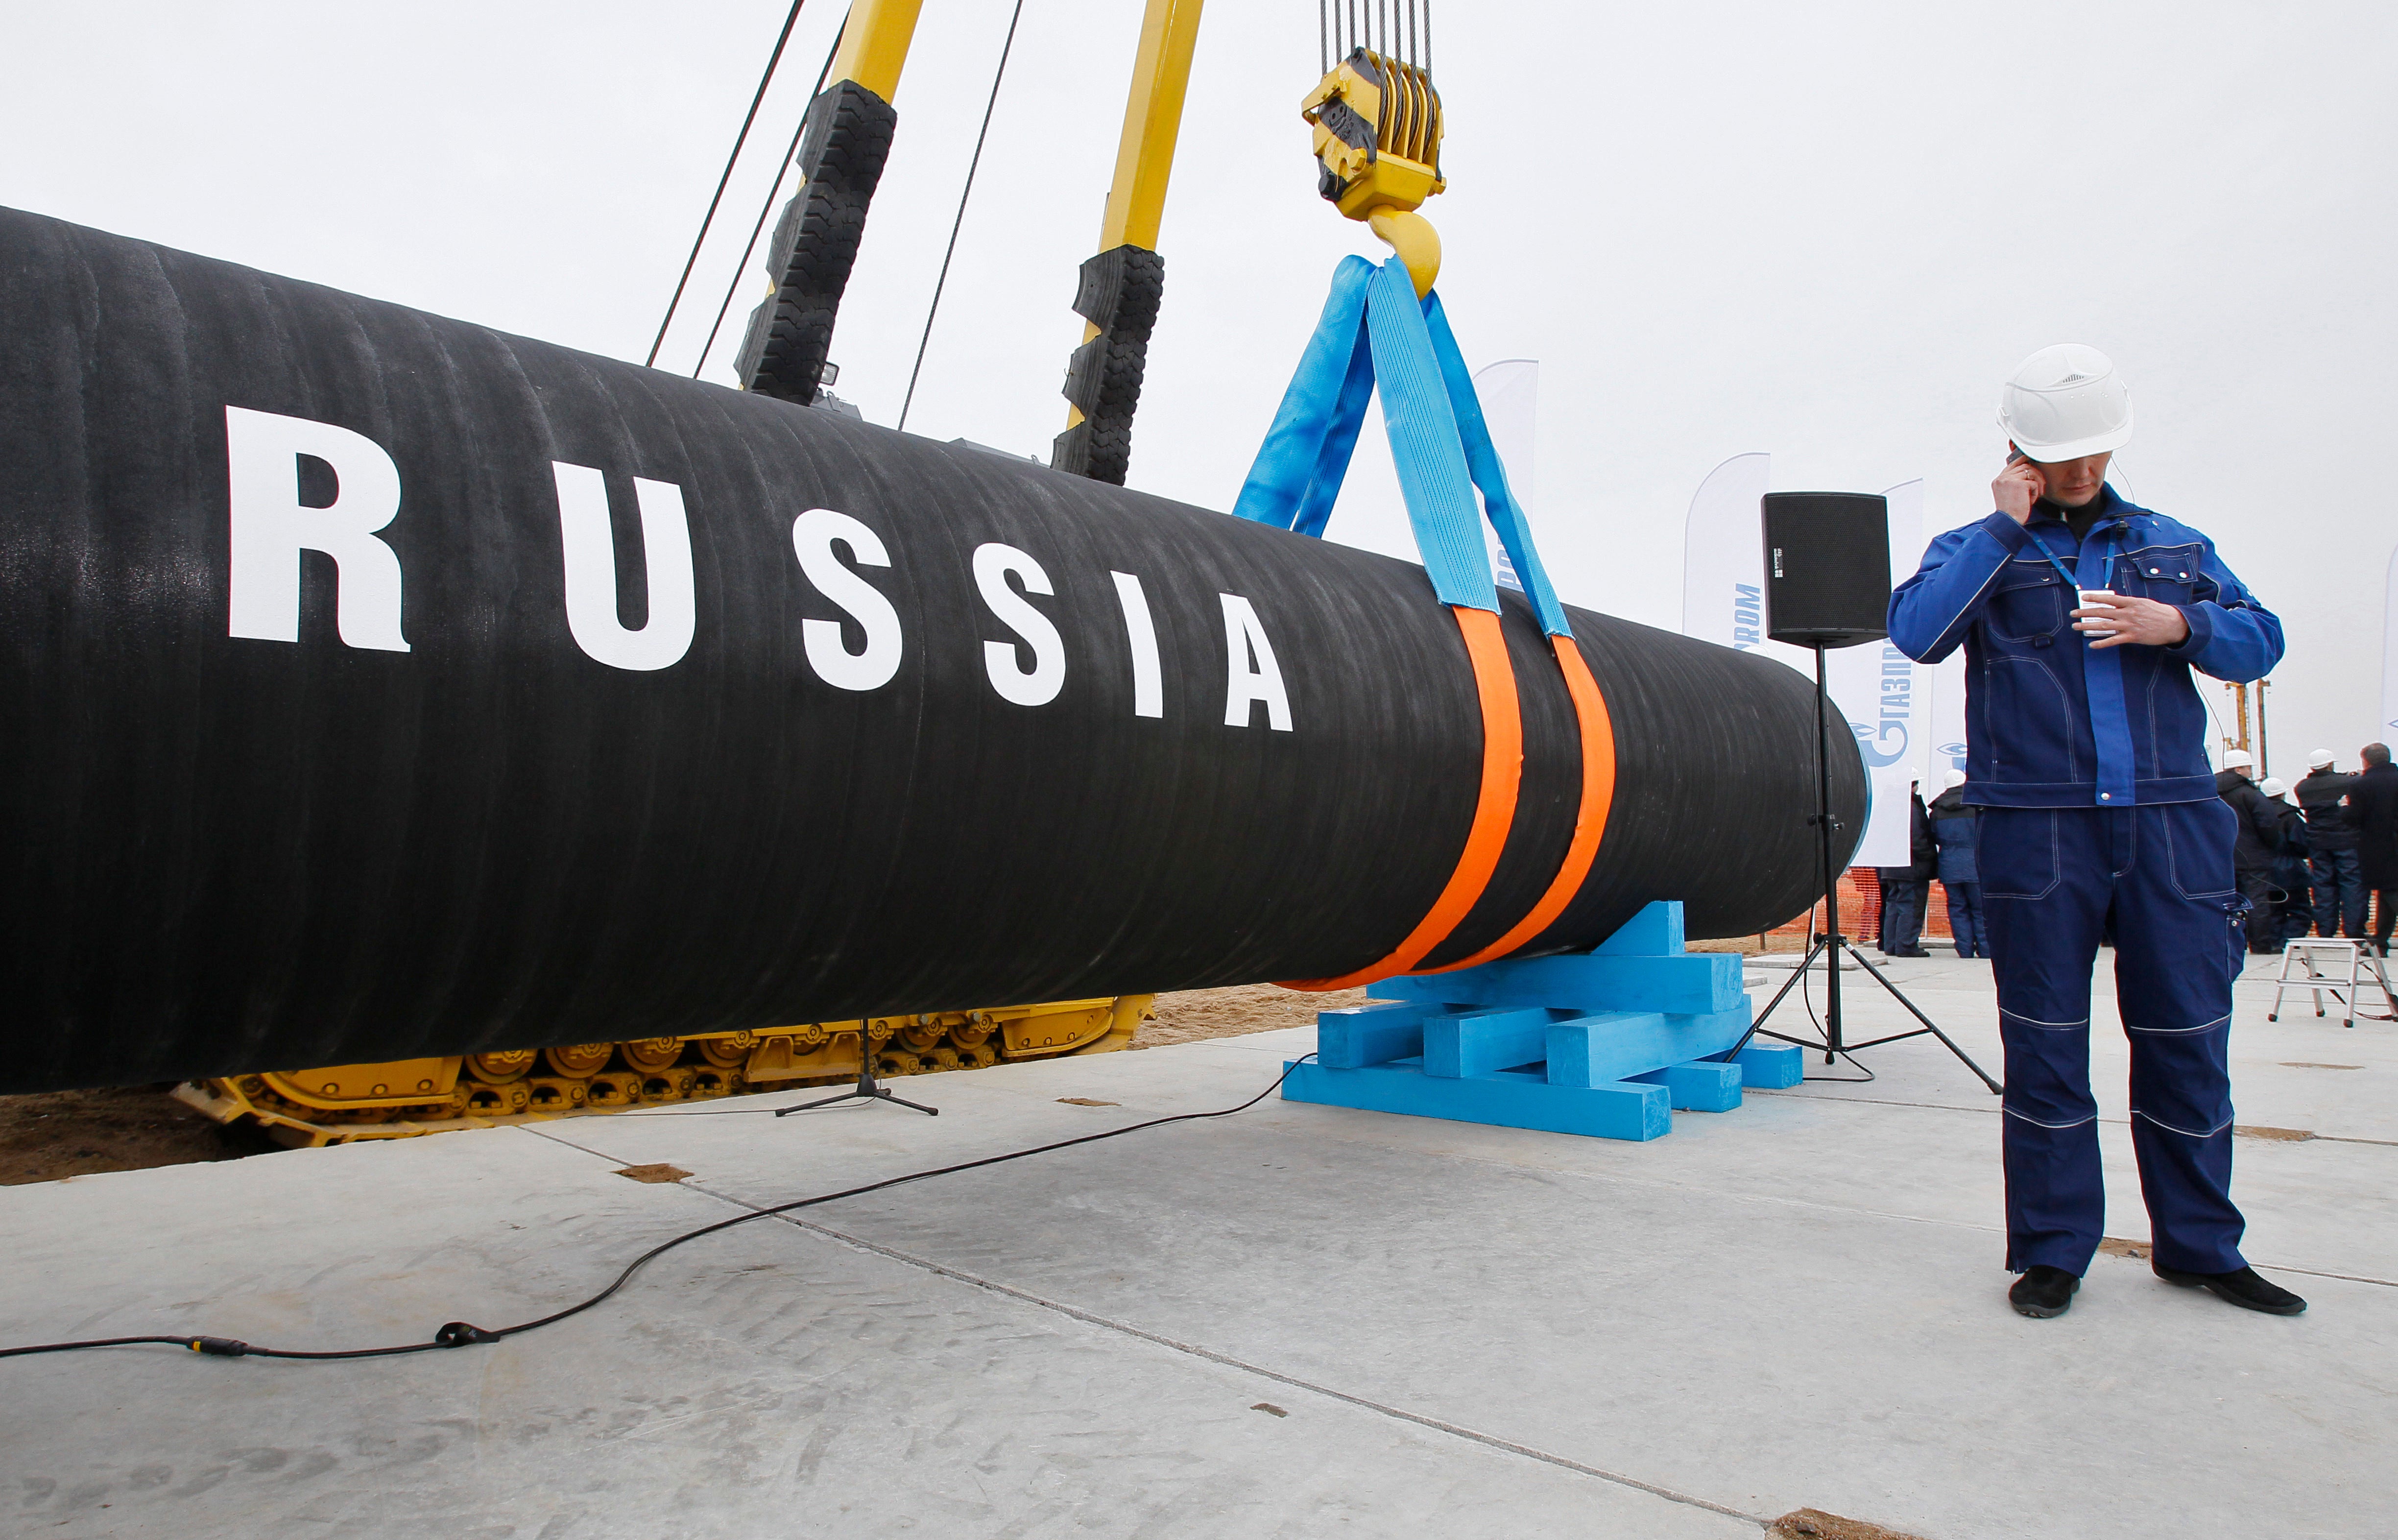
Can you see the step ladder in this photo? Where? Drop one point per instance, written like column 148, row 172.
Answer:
column 2349, row 966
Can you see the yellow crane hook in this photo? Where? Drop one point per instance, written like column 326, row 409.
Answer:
column 1377, row 127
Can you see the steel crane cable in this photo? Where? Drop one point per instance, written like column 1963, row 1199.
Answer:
column 1395, row 29
column 740, row 139
column 959, row 223
column 791, row 153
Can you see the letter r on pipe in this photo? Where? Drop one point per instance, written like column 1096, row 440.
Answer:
column 270, row 527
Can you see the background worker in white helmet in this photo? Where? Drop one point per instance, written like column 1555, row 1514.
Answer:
column 2082, row 617
column 2294, row 914
column 2253, row 845
column 2333, row 855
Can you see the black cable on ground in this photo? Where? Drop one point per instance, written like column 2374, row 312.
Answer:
column 739, row 139
column 959, row 223
column 461, row 1334
column 791, row 153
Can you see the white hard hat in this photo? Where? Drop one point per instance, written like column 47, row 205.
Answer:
column 2237, row 759
column 2272, row 786
column 2320, row 758
column 2064, row 402
column 1953, row 779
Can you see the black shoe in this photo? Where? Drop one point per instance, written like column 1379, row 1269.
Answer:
column 2045, row 1291
column 1905, row 951
column 2244, row 1289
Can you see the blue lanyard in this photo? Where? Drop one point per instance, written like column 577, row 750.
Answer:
column 2071, row 581
column 2072, row 584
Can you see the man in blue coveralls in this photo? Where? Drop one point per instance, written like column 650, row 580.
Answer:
column 2082, row 616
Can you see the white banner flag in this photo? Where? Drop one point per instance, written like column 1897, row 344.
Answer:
column 1509, row 393
column 1723, row 562
column 1946, row 686
column 2388, row 732
column 1944, row 689
column 1875, row 688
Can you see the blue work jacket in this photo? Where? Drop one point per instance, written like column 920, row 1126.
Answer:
column 1955, row 830
column 2048, row 721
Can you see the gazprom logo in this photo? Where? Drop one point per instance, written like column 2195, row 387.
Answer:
column 1883, row 740
column 1747, row 615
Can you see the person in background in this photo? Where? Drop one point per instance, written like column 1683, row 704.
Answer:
column 2337, row 881
column 2373, row 803
column 2293, row 916
column 2251, row 850
column 1953, row 824
column 1904, row 888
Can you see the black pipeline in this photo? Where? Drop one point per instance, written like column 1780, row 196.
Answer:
column 379, row 685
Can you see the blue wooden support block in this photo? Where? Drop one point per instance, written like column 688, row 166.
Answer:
column 1771, row 1066
column 1511, row 1101
column 1619, row 1044
column 1656, row 931
column 1480, row 1042
column 1370, row 1035
column 1704, row 1085
column 1603, row 1042
column 1697, row 983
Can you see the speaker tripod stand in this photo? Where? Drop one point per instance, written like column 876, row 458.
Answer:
column 867, row 1090
column 1831, row 943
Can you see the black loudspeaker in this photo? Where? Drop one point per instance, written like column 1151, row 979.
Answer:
column 1826, row 568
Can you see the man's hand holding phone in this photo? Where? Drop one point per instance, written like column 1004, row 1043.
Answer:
column 2017, row 488
column 2111, row 619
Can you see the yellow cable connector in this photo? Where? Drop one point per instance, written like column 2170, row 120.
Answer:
column 1378, row 129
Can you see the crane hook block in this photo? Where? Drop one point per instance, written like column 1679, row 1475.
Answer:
column 1377, row 127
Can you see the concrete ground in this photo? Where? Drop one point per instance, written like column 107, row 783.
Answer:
column 1296, row 1321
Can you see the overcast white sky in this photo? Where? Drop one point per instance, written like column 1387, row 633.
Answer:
column 1822, row 231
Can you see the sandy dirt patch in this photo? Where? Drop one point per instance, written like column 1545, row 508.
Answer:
column 1188, row 1015
column 59, row 1134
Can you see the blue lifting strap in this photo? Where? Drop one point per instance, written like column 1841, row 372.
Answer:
column 1373, row 333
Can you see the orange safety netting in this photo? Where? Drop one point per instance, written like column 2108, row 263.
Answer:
column 1860, row 892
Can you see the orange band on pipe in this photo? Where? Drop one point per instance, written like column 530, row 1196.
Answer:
column 1494, row 809
column 1590, row 820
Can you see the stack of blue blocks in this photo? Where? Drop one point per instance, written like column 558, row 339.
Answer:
column 1609, row 1043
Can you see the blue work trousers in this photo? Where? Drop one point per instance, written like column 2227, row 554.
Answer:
column 2052, row 881
column 1902, row 917
column 1965, row 919
column 2339, row 892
